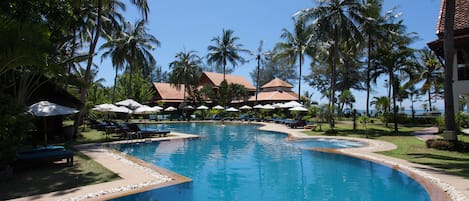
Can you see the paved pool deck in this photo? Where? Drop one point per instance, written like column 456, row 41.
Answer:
column 138, row 176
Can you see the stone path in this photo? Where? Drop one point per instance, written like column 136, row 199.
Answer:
column 427, row 133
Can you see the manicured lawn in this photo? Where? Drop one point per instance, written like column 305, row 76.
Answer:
column 45, row 178
column 409, row 147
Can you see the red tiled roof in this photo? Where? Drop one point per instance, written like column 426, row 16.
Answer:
column 461, row 18
column 275, row 96
column 277, row 83
column 217, row 78
column 169, row 92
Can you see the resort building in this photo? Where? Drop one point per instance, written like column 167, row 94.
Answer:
column 461, row 41
column 275, row 91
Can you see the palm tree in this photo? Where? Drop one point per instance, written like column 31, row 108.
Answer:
column 334, row 21
column 396, row 60
column 100, row 7
column 374, row 26
column 431, row 72
column 132, row 49
column 295, row 44
column 381, row 104
column 225, row 51
column 448, row 46
column 186, row 70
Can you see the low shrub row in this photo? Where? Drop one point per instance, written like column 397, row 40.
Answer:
column 446, row 145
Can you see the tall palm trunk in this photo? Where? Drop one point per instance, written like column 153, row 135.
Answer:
column 368, row 79
column 450, row 123
column 114, row 87
column 84, row 89
column 258, row 69
column 395, row 91
column 430, row 99
column 335, row 53
column 224, row 68
column 299, row 77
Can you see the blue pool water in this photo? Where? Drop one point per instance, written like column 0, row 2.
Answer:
column 239, row 162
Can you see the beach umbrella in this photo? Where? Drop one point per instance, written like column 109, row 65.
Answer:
column 106, row 107
column 157, row 108
column 145, row 109
column 268, row 107
column 129, row 103
column 299, row 108
column 47, row 109
column 188, row 107
column 170, row 109
column 218, row 107
column 202, row 107
column 232, row 109
column 245, row 107
column 291, row 104
column 121, row 109
column 259, row 106
column 277, row 105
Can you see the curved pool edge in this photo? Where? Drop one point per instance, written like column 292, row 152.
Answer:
column 439, row 185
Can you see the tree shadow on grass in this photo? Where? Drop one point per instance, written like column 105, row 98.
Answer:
column 452, row 165
column 50, row 177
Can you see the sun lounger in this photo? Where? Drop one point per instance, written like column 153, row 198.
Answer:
column 45, row 154
column 148, row 132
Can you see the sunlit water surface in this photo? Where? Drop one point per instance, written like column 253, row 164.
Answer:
column 238, row 162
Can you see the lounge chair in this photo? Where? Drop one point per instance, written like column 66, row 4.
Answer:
column 148, row 132
column 297, row 123
column 127, row 132
column 44, row 154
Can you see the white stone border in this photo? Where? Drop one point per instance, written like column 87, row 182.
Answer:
column 158, row 179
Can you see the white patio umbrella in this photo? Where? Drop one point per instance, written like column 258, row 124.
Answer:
column 170, row 109
column 188, row 107
column 106, row 107
column 218, row 107
column 291, row 104
column 145, row 109
column 47, row 109
column 157, row 108
column 268, row 107
column 202, row 107
column 129, row 103
column 121, row 109
column 232, row 109
column 245, row 107
column 299, row 108
column 259, row 106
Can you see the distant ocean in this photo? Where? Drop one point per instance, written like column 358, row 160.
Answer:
column 418, row 112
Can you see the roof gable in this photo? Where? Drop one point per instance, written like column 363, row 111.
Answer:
column 277, row 83
column 169, row 92
column 215, row 79
column 461, row 18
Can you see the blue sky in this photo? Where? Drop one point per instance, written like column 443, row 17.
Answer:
column 190, row 25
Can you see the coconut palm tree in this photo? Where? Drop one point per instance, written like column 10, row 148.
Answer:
column 374, row 26
column 334, row 21
column 95, row 32
column 295, row 44
column 226, row 50
column 186, row 70
column 396, row 60
column 431, row 72
column 131, row 48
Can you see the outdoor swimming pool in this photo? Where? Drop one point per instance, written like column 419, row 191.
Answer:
column 239, row 162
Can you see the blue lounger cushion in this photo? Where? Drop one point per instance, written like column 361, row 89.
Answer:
column 46, row 155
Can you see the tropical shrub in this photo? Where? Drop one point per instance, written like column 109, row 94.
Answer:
column 446, row 145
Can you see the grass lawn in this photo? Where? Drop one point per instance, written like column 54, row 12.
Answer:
column 45, row 178
column 409, row 147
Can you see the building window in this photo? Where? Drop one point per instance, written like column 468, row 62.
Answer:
column 463, row 64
